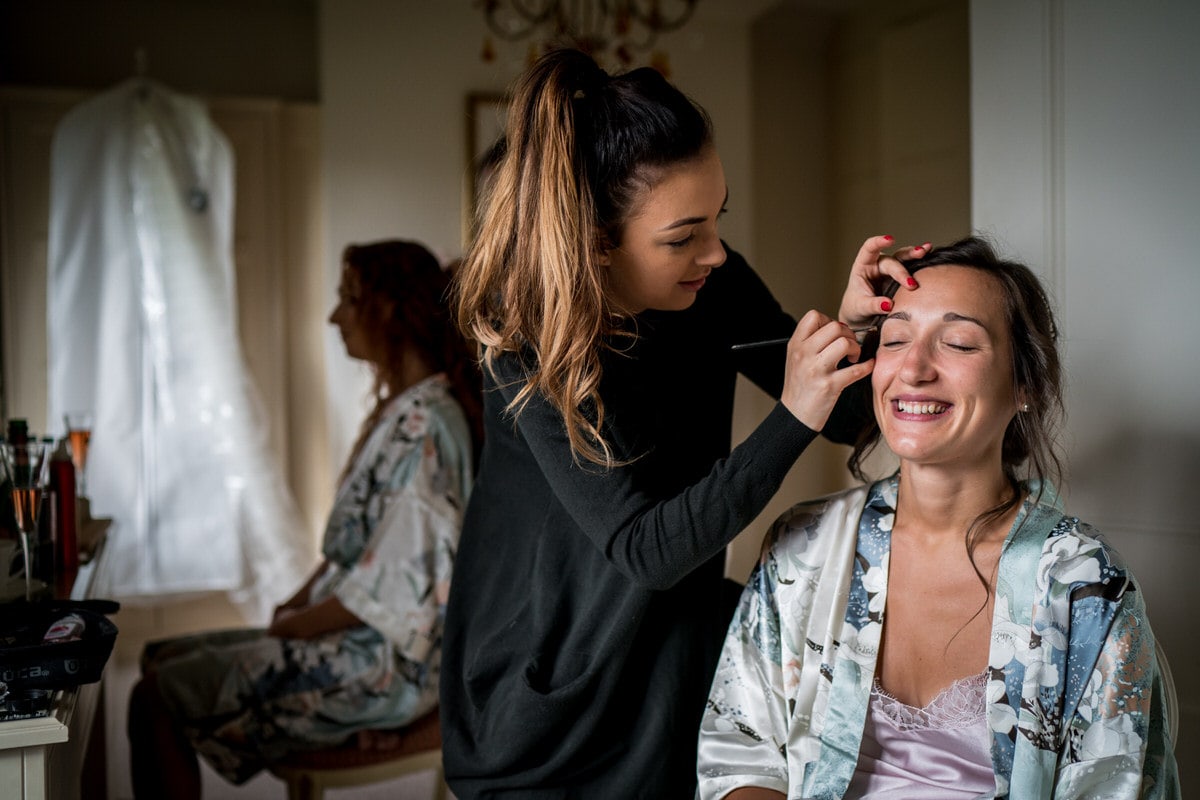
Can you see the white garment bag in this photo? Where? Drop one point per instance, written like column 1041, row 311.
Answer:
column 143, row 332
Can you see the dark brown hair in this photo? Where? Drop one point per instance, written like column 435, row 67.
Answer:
column 405, row 303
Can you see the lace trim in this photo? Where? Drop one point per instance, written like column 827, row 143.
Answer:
column 959, row 705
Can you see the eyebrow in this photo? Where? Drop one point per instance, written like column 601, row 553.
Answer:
column 679, row 223
column 949, row 316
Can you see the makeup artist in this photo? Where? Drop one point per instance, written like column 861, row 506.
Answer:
column 585, row 617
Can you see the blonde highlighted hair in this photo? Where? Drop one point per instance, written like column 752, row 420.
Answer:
column 582, row 148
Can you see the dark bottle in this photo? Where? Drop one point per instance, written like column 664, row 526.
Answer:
column 18, row 433
column 62, row 488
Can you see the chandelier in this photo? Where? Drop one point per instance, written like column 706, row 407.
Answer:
column 605, row 29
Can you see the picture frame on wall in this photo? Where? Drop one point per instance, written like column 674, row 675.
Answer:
column 486, row 116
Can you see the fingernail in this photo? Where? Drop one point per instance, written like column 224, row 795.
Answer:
column 887, row 237
column 912, row 282
column 886, row 305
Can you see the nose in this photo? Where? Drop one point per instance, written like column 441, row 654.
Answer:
column 918, row 364
column 714, row 254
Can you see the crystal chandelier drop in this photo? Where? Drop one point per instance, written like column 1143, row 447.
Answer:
column 620, row 31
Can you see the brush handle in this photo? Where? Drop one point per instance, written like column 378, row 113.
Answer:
column 858, row 335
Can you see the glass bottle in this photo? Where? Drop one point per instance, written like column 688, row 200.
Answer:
column 16, row 433
column 65, row 536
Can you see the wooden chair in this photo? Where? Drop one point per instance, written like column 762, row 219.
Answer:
column 1172, row 697
column 418, row 748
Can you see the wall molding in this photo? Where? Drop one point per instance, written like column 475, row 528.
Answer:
column 1055, row 144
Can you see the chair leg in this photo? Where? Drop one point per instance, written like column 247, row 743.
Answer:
column 303, row 787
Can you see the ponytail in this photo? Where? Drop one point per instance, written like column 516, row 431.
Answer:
column 581, row 147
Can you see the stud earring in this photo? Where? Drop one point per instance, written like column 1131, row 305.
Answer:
column 1024, row 408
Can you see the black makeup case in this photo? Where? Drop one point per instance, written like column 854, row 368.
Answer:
column 29, row 662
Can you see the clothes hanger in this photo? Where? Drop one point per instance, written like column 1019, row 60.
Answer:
column 140, row 69
column 180, row 156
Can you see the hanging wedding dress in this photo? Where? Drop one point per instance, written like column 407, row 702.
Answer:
column 142, row 331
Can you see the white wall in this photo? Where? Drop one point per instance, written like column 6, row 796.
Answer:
column 838, row 157
column 395, row 75
column 1086, row 163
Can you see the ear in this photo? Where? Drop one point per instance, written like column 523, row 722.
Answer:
column 1022, row 399
column 385, row 307
column 604, row 258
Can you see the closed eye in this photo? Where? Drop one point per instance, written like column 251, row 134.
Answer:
column 682, row 242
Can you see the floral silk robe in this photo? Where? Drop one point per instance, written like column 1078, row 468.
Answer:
column 245, row 699
column 1075, row 698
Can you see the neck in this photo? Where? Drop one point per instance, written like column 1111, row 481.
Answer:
column 411, row 370
column 940, row 501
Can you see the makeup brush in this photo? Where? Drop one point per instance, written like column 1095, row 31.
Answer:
column 860, row 335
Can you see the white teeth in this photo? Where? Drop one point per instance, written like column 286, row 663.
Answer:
column 908, row 407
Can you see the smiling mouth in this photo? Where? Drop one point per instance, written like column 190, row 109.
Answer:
column 923, row 408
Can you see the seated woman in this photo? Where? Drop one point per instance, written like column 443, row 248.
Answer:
column 358, row 647
column 947, row 632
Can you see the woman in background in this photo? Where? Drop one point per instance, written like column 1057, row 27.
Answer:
column 587, row 608
column 358, row 646
column 947, row 632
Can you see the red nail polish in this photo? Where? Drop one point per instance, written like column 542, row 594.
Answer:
column 886, row 305
column 887, row 237
column 912, row 282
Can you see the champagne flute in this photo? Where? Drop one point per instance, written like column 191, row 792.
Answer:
column 79, row 429
column 26, row 467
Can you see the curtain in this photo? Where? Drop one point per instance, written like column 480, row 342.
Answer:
column 142, row 332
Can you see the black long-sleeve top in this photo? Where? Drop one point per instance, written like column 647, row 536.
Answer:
column 585, row 614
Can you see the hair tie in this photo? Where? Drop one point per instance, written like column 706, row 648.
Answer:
column 593, row 80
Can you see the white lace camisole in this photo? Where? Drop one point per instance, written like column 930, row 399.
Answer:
column 939, row 752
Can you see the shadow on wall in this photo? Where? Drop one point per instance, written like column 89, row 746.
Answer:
column 1138, row 486
column 1140, row 476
